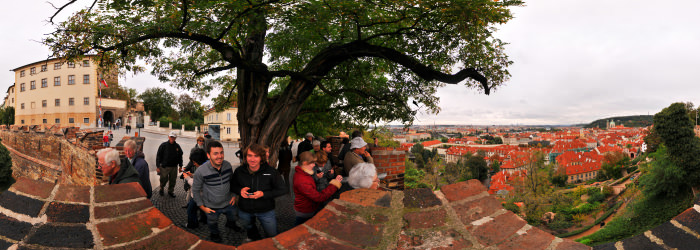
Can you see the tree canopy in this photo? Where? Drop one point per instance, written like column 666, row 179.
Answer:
column 364, row 61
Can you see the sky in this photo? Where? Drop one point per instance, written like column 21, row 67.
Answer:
column 574, row 61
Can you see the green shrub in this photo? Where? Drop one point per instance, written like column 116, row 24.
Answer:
column 510, row 206
column 597, row 197
column 6, row 179
column 640, row 216
column 560, row 223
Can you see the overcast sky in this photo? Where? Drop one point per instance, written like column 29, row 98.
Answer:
column 574, row 61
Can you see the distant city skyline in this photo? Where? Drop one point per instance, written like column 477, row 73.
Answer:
column 574, row 62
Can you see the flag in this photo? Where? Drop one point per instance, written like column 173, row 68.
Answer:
column 104, row 83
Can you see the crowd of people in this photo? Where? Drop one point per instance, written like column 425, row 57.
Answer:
column 247, row 193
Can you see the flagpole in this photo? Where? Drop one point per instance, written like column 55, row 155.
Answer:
column 101, row 121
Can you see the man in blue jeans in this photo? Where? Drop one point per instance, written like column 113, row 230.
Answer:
column 258, row 184
column 211, row 190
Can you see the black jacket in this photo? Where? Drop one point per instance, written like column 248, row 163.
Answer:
column 141, row 167
column 266, row 179
column 169, row 155
column 303, row 147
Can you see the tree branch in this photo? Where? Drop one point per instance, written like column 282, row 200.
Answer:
column 61, row 9
column 332, row 56
column 185, row 16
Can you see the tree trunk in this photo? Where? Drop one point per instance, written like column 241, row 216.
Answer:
column 263, row 120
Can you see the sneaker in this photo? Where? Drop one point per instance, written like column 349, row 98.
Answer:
column 161, row 192
column 171, row 194
column 215, row 238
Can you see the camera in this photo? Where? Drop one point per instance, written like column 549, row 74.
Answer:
column 250, row 194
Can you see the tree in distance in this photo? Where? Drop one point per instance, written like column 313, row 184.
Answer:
column 360, row 61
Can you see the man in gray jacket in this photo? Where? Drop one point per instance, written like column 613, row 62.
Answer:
column 211, row 190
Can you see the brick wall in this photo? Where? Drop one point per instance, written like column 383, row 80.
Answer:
column 392, row 162
column 49, row 156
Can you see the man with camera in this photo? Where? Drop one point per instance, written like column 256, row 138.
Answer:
column 258, row 184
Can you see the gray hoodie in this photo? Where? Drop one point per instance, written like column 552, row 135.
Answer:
column 212, row 188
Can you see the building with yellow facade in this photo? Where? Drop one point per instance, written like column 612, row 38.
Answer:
column 222, row 125
column 56, row 91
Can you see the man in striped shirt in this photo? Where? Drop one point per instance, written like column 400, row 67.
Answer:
column 211, row 190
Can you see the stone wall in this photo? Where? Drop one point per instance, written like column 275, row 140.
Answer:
column 40, row 215
column 49, row 155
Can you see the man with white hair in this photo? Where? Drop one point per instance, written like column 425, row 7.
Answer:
column 364, row 175
column 118, row 171
column 358, row 154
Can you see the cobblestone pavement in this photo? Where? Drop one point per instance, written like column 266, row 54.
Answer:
column 172, row 208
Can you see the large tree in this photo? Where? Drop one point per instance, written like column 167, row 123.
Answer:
column 374, row 60
column 158, row 101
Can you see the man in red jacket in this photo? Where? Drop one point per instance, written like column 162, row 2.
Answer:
column 307, row 199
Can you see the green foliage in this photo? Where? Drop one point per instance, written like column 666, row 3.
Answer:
column 158, row 101
column 477, row 167
column 595, row 223
column 662, row 176
column 6, row 179
column 510, row 206
column 189, row 108
column 676, row 132
column 628, row 121
column 413, row 176
column 641, row 215
column 7, row 115
column 560, row 223
column 177, row 124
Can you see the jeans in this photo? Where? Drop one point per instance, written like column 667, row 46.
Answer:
column 192, row 211
column 268, row 220
column 213, row 218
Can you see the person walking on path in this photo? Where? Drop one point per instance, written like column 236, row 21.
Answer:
column 136, row 158
column 258, row 184
column 211, row 190
column 168, row 160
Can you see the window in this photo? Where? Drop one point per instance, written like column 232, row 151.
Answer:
column 86, row 79
column 32, row 71
column 43, row 103
column 44, row 120
column 228, row 116
column 22, row 106
column 33, row 105
column 86, row 63
column 43, row 68
column 58, row 102
column 71, row 120
column 86, row 101
column 13, row 100
column 21, row 73
column 57, row 81
column 32, row 85
column 56, row 66
column 86, row 120
column 57, row 121
column 21, row 87
column 228, row 131
column 71, row 101
column 71, row 79
column 44, row 83
column 71, row 65
column 22, row 121
column 217, row 117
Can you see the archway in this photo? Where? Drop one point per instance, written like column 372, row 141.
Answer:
column 108, row 118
